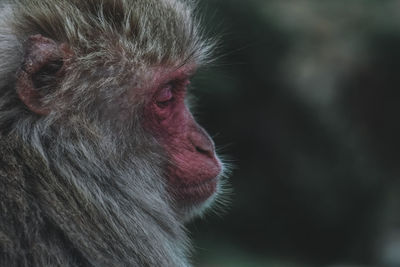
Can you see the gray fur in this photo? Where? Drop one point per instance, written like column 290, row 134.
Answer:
column 79, row 187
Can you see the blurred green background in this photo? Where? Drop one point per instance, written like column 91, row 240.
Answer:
column 304, row 99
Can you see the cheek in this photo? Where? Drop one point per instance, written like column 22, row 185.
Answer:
column 165, row 124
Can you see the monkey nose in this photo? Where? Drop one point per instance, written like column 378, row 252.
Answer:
column 202, row 142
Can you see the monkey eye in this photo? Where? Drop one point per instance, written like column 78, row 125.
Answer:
column 165, row 96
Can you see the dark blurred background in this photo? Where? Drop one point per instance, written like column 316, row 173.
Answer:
column 304, row 99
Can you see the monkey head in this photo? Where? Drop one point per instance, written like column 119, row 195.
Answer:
column 132, row 78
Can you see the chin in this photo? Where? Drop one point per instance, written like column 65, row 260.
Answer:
column 193, row 200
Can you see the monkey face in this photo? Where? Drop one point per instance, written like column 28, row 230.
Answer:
column 193, row 167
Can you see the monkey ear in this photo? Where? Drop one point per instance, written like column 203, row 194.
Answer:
column 40, row 71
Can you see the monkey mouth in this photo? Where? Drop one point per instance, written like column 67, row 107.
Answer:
column 199, row 184
column 197, row 192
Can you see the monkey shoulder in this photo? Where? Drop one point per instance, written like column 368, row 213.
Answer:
column 12, row 184
column 14, row 207
column 23, row 230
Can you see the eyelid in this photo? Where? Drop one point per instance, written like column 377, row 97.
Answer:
column 165, row 94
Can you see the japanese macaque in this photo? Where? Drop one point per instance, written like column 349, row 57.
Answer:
column 101, row 161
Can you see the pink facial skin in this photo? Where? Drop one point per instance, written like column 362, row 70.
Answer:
column 194, row 168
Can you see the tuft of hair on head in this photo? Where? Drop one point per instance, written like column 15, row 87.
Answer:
column 155, row 32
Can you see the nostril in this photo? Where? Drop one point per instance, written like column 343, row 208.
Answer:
column 206, row 152
column 202, row 142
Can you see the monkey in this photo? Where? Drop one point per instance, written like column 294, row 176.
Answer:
column 101, row 160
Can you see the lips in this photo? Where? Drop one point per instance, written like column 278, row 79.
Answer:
column 198, row 192
column 197, row 185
